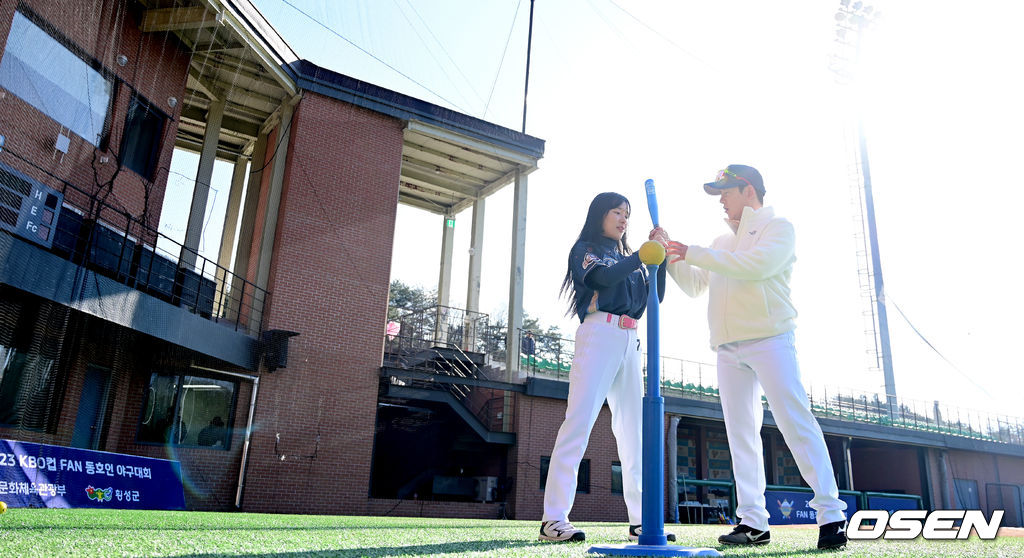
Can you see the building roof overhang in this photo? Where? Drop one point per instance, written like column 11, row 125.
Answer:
column 449, row 159
column 236, row 57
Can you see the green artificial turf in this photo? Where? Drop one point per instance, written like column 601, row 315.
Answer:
column 88, row 532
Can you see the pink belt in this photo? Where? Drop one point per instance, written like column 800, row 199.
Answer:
column 624, row 322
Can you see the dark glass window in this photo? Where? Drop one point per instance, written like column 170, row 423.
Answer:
column 27, row 387
column 582, row 477
column 143, row 128
column 188, row 411
column 616, row 477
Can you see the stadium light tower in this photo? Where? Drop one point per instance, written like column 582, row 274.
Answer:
column 852, row 21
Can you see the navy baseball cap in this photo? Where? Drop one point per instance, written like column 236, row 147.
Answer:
column 734, row 176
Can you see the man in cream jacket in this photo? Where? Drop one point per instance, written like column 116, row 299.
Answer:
column 746, row 273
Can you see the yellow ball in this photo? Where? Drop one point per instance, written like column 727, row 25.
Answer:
column 652, row 252
column 3, row 507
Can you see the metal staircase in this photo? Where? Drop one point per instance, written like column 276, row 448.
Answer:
column 429, row 360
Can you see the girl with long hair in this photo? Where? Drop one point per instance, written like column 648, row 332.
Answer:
column 607, row 287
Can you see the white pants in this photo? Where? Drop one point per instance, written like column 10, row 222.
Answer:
column 745, row 368
column 606, row 365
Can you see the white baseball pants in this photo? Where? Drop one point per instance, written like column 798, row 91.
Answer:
column 606, row 365
column 745, row 368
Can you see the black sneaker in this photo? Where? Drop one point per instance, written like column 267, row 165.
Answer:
column 560, row 531
column 634, row 534
column 744, row 535
column 832, row 535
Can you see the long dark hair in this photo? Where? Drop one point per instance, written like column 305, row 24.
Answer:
column 593, row 229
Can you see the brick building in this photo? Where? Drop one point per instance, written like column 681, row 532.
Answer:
column 268, row 373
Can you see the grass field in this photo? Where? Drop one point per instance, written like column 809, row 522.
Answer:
column 42, row 532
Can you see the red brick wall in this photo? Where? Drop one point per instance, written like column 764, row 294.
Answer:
column 329, row 280
column 156, row 69
column 537, row 423
column 1010, row 469
column 984, row 468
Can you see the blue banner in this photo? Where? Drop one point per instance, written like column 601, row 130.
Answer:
column 45, row 476
column 791, row 507
column 891, row 503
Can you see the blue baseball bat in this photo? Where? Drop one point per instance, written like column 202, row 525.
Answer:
column 652, row 200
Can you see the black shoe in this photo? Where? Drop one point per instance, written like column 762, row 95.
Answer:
column 744, row 535
column 832, row 535
column 634, row 534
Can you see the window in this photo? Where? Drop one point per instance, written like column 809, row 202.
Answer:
column 616, row 477
column 582, row 477
column 140, row 147
column 27, row 387
column 47, row 75
column 188, row 411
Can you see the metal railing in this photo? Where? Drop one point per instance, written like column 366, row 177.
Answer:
column 929, row 416
column 114, row 243
column 699, row 380
column 551, row 357
column 447, row 341
column 445, row 326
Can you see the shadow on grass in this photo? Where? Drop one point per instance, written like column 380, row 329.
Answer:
column 753, row 551
column 474, row 546
column 456, row 548
column 794, row 552
column 261, row 528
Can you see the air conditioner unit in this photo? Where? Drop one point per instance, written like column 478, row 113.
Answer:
column 486, row 488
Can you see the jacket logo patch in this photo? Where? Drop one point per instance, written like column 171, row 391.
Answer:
column 589, row 260
column 752, row 233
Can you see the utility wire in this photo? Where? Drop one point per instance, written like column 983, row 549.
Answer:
column 932, row 347
column 371, row 55
column 445, row 51
column 663, row 37
column 425, row 46
column 500, row 64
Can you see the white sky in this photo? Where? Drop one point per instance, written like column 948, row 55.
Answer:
column 694, row 86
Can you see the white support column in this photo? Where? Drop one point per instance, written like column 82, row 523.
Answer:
column 266, row 252
column 241, row 292
column 515, row 283
column 847, row 462
column 444, row 278
column 194, row 229
column 227, row 237
column 476, row 256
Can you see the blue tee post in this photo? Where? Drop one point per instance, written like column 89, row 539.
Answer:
column 652, row 540
column 652, row 528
